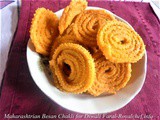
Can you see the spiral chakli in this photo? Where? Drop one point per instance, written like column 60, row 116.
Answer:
column 75, row 7
column 110, row 77
column 44, row 28
column 62, row 39
column 120, row 43
column 80, row 65
column 87, row 24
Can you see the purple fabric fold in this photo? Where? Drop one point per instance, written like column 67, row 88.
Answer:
column 20, row 95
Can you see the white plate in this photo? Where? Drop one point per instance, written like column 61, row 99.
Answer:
column 86, row 103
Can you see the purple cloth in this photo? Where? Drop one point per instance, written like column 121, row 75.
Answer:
column 20, row 95
column 4, row 3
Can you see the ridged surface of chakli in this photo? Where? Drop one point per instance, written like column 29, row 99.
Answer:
column 81, row 68
column 120, row 43
column 62, row 39
column 87, row 24
column 74, row 8
column 43, row 30
column 110, row 77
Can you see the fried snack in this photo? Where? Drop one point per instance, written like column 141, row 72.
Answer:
column 110, row 77
column 75, row 7
column 44, row 29
column 69, row 30
column 54, row 45
column 62, row 39
column 78, row 60
column 55, row 80
column 120, row 43
column 87, row 24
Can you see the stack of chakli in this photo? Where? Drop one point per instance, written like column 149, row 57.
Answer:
column 89, row 51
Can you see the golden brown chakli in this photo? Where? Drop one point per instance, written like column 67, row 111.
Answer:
column 43, row 31
column 80, row 65
column 120, row 43
column 110, row 77
column 75, row 7
column 62, row 39
column 87, row 23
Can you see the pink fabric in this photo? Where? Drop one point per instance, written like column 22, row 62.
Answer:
column 20, row 95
